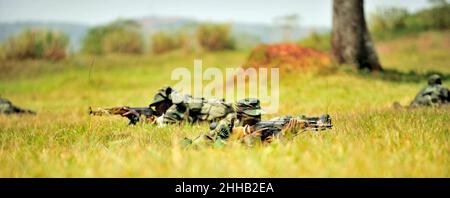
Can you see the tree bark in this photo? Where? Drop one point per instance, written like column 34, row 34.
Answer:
column 351, row 42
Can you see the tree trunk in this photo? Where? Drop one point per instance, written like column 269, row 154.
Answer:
column 351, row 42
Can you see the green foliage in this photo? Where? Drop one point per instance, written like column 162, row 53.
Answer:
column 162, row 41
column 121, row 36
column 215, row 37
column 123, row 41
column 36, row 44
column 437, row 17
column 391, row 22
column 318, row 41
column 92, row 42
column 389, row 19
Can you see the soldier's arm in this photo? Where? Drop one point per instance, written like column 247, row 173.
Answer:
column 446, row 94
column 418, row 97
column 224, row 127
column 217, row 131
column 174, row 114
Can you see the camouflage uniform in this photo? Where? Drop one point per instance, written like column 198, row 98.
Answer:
column 6, row 107
column 434, row 94
column 247, row 113
column 177, row 107
column 248, row 118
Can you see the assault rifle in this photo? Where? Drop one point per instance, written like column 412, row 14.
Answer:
column 266, row 129
column 132, row 113
column 6, row 107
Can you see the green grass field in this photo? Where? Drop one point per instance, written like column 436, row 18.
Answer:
column 370, row 138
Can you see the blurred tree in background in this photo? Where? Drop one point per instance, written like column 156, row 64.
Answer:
column 125, row 36
column 215, row 37
column 92, row 42
column 123, row 41
column 37, row 44
column 391, row 22
column 438, row 15
column 164, row 41
column 120, row 36
column 318, row 41
column 388, row 19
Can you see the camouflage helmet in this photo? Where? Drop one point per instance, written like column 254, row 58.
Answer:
column 434, row 79
column 162, row 95
column 249, row 106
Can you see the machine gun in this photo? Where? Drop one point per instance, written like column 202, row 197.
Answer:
column 132, row 113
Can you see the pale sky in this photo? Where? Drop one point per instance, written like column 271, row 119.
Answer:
column 313, row 12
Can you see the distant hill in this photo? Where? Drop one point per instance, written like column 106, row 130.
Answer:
column 262, row 32
column 246, row 34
